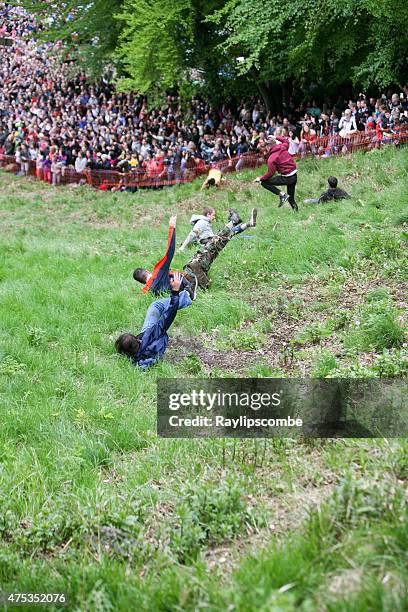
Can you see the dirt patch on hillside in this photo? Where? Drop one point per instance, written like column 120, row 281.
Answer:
column 278, row 350
column 234, row 361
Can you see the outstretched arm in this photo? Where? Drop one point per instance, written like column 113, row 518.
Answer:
column 192, row 237
column 283, row 141
column 170, row 314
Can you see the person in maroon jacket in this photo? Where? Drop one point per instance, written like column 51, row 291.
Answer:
column 283, row 166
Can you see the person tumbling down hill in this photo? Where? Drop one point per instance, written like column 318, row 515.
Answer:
column 159, row 281
column 200, row 264
column 201, row 231
column 195, row 272
column 332, row 193
column 149, row 346
column 214, row 179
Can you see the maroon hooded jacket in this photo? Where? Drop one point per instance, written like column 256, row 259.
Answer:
column 279, row 159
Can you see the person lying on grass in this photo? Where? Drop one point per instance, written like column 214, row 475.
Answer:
column 149, row 346
column 332, row 193
column 196, row 270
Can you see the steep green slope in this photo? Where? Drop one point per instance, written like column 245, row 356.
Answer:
column 92, row 503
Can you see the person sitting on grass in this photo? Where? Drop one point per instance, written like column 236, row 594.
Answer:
column 149, row 346
column 332, row 193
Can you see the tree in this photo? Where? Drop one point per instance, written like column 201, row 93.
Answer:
column 155, row 43
column 386, row 62
column 223, row 46
column 307, row 40
column 166, row 46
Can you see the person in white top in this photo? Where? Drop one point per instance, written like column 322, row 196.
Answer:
column 347, row 124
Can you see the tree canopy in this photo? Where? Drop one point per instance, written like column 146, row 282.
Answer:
column 218, row 45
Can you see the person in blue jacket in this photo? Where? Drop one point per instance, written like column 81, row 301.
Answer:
column 149, row 346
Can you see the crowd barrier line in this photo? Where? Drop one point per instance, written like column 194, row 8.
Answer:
column 325, row 146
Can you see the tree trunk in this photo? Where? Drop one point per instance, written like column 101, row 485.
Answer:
column 272, row 96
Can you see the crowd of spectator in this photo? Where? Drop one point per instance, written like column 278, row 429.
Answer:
column 56, row 120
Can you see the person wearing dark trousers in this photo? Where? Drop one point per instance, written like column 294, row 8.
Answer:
column 281, row 170
column 332, row 193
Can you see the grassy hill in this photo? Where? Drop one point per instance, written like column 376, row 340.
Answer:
column 92, row 503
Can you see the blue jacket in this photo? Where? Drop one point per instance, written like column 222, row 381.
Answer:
column 154, row 340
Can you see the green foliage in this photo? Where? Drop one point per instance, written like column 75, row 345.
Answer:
column 208, row 514
column 386, row 60
column 164, row 47
column 192, row 365
column 324, row 364
column 264, row 370
column 11, row 366
column 377, row 244
column 195, row 46
column 355, row 501
column 324, row 41
column 340, row 319
column 391, row 363
column 153, row 42
column 313, row 334
column 376, row 329
column 244, row 339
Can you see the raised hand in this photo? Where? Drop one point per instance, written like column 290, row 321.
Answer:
column 175, row 282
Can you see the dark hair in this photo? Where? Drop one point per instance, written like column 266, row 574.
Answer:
column 332, row 182
column 211, row 182
column 140, row 275
column 127, row 344
column 207, row 210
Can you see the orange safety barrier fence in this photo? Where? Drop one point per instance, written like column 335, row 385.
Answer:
column 175, row 174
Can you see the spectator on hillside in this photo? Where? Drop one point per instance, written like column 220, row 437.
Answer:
column 347, row 124
column 44, row 106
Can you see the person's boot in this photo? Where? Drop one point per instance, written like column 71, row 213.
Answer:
column 252, row 218
column 295, row 207
column 191, row 285
column 194, row 269
column 234, row 217
column 283, row 198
